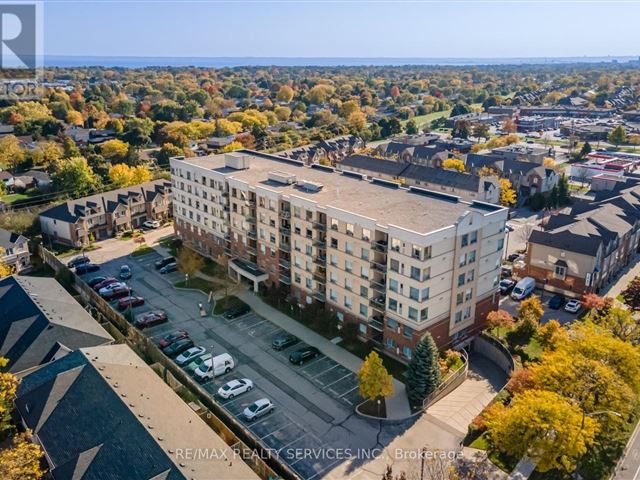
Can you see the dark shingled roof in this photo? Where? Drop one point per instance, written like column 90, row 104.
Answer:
column 7, row 238
column 85, row 427
column 40, row 320
column 388, row 167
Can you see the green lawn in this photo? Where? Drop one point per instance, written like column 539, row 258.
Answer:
column 142, row 250
column 225, row 304
column 503, row 463
column 196, row 283
column 63, row 251
column 14, row 197
column 428, row 118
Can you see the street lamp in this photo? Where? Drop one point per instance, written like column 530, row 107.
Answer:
column 186, row 279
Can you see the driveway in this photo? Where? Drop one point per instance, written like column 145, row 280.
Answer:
column 562, row 316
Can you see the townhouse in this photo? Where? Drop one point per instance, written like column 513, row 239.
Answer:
column 582, row 248
column 100, row 216
column 14, row 251
column 396, row 261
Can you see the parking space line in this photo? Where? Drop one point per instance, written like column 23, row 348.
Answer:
column 254, row 423
column 277, row 430
column 323, row 470
column 253, row 325
column 347, row 393
column 294, row 441
column 314, row 361
column 332, row 383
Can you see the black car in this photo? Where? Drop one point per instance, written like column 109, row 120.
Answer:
column 513, row 257
column 507, row 285
column 87, row 268
column 74, row 262
column 304, row 355
column 95, row 280
column 556, row 302
column 177, row 347
column 163, row 262
column 284, row 341
column 237, row 311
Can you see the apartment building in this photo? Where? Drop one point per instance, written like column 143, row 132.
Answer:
column 395, row 261
column 582, row 248
column 106, row 214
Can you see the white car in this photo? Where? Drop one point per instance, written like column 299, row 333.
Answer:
column 257, row 409
column 235, row 387
column 111, row 286
column 151, row 224
column 573, row 306
column 188, row 355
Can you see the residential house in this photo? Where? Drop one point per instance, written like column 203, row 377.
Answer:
column 101, row 412
column 40, row 322
column 104, row 215
column 15, row 250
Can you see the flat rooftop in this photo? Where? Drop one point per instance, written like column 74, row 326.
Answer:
column 385, row 202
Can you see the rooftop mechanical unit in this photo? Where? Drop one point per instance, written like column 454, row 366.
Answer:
column 282, row 177
column 310, row 186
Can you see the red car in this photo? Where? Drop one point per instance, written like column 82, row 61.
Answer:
column 104, row 283
column 127, row 302
column 117, row 292
column 172, row 337
column 149, row 319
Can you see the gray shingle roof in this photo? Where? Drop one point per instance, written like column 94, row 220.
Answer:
column 378, row 165
column 8, row 239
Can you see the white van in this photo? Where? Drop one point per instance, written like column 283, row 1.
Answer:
column 523, row 288
column 215, row 366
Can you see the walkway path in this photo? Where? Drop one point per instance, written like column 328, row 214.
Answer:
column 462, row 405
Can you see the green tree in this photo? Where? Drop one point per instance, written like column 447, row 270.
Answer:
column 564, row 197
column 373, row 379
column 461, row 129
column 617, row 136
column 189, row 262
column 411, row 127
column 423, row 372
column 585, row 150
column 481, row 130
column 631, row 294
column 544, row 426
column 74, row 175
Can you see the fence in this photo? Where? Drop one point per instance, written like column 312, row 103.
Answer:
column 450, row 384
column 223, row 423
column 491, row 348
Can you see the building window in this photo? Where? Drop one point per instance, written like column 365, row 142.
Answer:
column 364, row 310
column 461, row 279
column 366, row 234
column 414, row 293
column 348, row 247
column 297, row 278
column 407, row 331
column 426, row 273
column 348, row 266
column 560, row 272
column 334, row 224
column 470, row 276
column 459, row 298
column 458, row 317
column 395, row 244
column 393, row 305
column 340, row 316
column 348, row 283
column 416, row 252
column 500, row 244
column 473, row 237
column 465, row 240
column 348, row 302
column 391, row 344
column 349, row 229
column 392, row 324
column 424, row 314
column 467, row 313
column 471, row 257
column 333, row 260
column 363, row 328
column 415, row 273
column 394, row 265
column 333, row 278
column 364, row 254
column 364, row 272
column 425, row 294
column 463, row 260
column 468, row 294
column 413, row 314
column 406, row 351
column 308, row 283
column 333, row 295
column 393, row 285
column 364, row 291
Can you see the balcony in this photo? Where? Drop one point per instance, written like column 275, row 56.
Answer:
column 285, row 279
column 319, row 226
column 319, row 295
column 285, row 231
column 378, row 302
column 380, row 245
column 377, row 322
column 378, row 287
column 320, row 260
column 252, row 235
column 319, row 243
column 284, row 263
column 285, row 247
column 285, row 213
column 319, row 276
column 379, row 267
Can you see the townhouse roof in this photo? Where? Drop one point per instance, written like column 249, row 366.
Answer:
column 8, row 239
column 416, row 209
column 39, row 321
column 377, row 165
column 101, row 412
column 72, row 210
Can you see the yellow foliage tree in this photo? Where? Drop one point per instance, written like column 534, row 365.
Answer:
column 549, row 162
column 544, row 426
column 374, row 380
column 11, row 152
column 189, row 261
column 5, row 270
column 114, row 149
column 122, row 175
column 453, row 164
column 486, row 171
column 22, row 460
column 285, row 94
column 232, row 147
column 75, row 118
column 357, row 121
column 46, row 153
column 508, row 196
column 140, row 174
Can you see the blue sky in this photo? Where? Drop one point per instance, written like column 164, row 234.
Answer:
column 262, row 28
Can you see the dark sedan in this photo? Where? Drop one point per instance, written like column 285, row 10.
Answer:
column 87, row 268
column 172, row 337
column 177, row 347
column 95, row 281
column 163, row 262
column 78, row 261
column 506, row 286
column 303, row 355
column 150, row 319
column 284, row 341
column 556, row 302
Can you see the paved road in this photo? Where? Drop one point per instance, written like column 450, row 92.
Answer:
column 629, row 466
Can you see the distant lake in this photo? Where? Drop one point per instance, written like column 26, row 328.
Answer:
column 220, row 62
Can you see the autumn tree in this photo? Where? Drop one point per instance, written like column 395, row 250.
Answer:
column 22, row 459
column 285, row 94
column 75, row 176
column 620, row 322
column 508, row 196
column 282, row 113
column 530, row 312
column 357, row 122
column 593, row 303
column 520, row 380
column 11, row 152
column 46, row 153
column 423, row 372
column 481, row 130
column 617, row 136
column 5, row 270
column 453, row 164
column 543, row 426
column 461, row 129
column 75, row 118
column 500, row 319
column 549, row 162
column 550, row 334
column 233, row 146
column 631, row 294
column 374, row 381
column 189, row 262
column 114, row 150
column 509, row 126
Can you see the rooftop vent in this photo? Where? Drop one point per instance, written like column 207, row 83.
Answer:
column 236, row 160
column 310, row 186
column 282, row 177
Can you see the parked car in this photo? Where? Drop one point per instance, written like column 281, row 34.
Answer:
column 303, row 355
column 218, row 365
column 257, row 409
column 284, row 341
column 122, row 291
column 196, row 362
column 92, row 282
column 506, row 285
column 130, row 302
column 172, row 337
column 523, row 288
column 107, row 281
column 556, row 302
column 87, row 268
column 150, row 319
column 74, row 262
column 172, row 267
column 164, row 262
column 188, row 355
column 237, row 311
column 573, row 306
column 110, row 287
column 125, row 272
column 506, row 271
column 151, row 224
column 177, row 347
column 513, row 257
column 234, row 388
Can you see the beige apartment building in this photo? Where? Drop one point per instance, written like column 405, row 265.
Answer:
column 396, row 261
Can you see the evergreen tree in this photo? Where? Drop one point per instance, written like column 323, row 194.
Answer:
column 411, row 128
column 423, row 373
column 585, row 150
column 564, row 197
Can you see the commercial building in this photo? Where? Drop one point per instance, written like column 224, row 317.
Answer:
column 101, row 412
column 524, row 153
column 395, row 261
column 104, row 215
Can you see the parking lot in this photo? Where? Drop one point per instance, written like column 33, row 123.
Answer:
column 313, row 402
column 562, row 316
